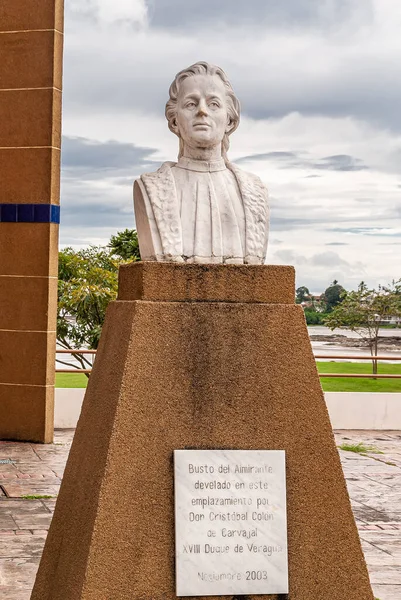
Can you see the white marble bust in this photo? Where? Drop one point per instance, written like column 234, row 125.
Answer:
column 202, row 209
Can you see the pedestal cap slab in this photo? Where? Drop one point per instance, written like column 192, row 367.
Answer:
column 177, row 282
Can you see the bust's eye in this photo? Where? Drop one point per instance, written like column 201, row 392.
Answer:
column 214, row 103
column 190, row 105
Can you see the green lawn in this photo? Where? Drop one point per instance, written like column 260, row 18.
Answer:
column 329, row 384
column 71, row 380
column 337, row 384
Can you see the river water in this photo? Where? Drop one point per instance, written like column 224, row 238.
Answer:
column 335, row 348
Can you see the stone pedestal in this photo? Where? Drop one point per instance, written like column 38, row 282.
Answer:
column 197, row 356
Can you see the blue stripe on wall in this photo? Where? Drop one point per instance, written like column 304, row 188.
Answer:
column 29, row 213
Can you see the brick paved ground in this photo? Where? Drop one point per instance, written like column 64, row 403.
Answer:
column 374, row 483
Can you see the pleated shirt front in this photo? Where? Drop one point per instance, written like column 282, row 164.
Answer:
column 211, row 211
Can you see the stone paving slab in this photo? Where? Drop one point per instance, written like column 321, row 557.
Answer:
column 17, row 576
column 18, row 489
column 373, row 479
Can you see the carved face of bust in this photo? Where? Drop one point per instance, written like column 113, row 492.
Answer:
column 202, row 118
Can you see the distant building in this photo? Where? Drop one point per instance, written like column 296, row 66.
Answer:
column 391, row 320
column 315, row 301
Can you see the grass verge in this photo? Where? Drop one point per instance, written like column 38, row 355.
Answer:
column 71, row 380
column 37, row 497
column 329, row 384
column 337, row 384
column 360, row 448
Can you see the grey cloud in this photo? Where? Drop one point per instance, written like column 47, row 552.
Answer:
column 336, row 244
column 333, row 261
column 366, row 200
column 90, row 216
column 290, row 256
column 340, row 162
column 89, row 156
column 91, row 13
column 282, row 223
column 364, row 86
column 375, row 231
column 88, row 206
column 313, row 218
column 127, row 181
column 321, row 262
column 327, row 259
column 298, row 160
column 362, row 96
column 86, row 10
column 277, row 156
column 95, row 182
column 288, row 215
column 181, row 14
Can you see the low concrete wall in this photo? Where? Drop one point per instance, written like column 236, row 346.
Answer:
column 364, row 410
column 348, row 410
column 67, row 407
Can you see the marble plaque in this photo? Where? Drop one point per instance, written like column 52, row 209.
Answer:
column 230, row 522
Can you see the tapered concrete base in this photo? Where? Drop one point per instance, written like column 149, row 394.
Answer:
column 191, row 373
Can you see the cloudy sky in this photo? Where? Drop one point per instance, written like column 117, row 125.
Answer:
column 320, row 89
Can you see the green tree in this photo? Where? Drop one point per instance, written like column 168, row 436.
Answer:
column 363, row 310
column 313, row 317
column 396, row 285
column 88, row 281
column 333, row 295
column 125, row 245
column 302, row 294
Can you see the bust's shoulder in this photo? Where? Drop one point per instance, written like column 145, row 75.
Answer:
column 248, row 181
column 157, row 187
column 161, row 172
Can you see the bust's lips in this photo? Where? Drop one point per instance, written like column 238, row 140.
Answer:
column 201, row 124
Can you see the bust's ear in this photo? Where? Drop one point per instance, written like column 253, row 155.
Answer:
column 174, row 127
column 231, row 125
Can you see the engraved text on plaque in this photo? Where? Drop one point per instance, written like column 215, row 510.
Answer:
column 230, row 519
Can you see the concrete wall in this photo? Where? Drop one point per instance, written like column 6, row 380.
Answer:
column 364, row 410
column 348, row 410
column 67, row 407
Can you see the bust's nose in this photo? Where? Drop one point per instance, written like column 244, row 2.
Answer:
column 202, row 109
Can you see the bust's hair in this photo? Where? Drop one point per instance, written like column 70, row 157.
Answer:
column 233, row 105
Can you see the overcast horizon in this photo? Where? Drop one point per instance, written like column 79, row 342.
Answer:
column 320, row 90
